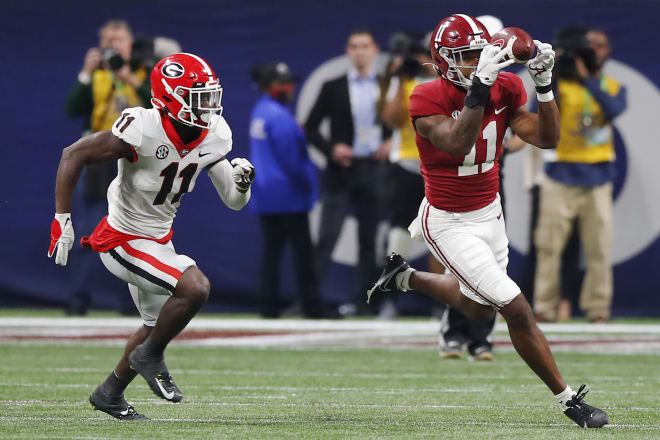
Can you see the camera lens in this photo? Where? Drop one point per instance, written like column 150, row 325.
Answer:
column 116, row 62
column 112, row 58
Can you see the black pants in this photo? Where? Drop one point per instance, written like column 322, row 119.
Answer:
column 360, row 187
column 278, row 229
column 456, row 327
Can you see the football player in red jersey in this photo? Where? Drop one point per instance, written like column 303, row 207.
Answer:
column 160, row 152
column 460, row 120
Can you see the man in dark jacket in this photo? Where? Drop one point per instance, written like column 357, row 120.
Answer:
column 357, row 152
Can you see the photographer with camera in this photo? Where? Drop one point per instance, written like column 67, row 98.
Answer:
column 409, row 65
column 105, row 86
column 579, row 174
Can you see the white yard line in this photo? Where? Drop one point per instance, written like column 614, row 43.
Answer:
column 346, row 424
column 315, row 325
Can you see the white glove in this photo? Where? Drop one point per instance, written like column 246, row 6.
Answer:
column 490, row 63
column 61, row 238
column 242, row 173
column 540, row 67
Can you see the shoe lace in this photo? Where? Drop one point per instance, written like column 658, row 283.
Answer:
column 578, row 398
column 131, row 410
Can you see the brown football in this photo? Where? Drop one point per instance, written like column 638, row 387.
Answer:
column 523, row 45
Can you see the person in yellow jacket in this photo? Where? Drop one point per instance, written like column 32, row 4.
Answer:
column 580, row 175
column 105, row 86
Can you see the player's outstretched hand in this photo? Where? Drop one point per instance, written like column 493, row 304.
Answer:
column 243, row 174
column 540, row 67
column 491, row 62
column 61, row 238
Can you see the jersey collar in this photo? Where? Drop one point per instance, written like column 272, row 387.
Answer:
column 182, row 148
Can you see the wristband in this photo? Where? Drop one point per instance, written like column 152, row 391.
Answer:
column 478, row 93
column 545, row 97
column 544, row 89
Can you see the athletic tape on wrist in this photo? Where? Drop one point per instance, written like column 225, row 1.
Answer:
column 545, row 97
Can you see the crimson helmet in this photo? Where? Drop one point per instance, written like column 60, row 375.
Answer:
column 452, row 37
column 185, row 87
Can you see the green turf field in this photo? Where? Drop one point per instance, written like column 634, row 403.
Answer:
column 322, row 393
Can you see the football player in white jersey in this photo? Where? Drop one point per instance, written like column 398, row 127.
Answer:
column 160, row 153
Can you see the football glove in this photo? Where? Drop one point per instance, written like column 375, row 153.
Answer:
column 61, row 238
column 540, row 67
column 242, row 173
column 490, row 63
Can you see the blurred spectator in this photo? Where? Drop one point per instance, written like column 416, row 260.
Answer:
column 284, row 191
column 357, row 152
column 580, row 174
column 106, row 85
column 410, row 65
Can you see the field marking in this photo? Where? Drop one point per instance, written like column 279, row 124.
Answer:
column 69, row 404
column 253, row 420
column 316, row 325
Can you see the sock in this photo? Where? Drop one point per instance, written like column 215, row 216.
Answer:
column 113, row 385
column 152, row 350
column 403, row 278
column 564, row 397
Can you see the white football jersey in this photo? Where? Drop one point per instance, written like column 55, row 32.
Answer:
column 145, row 195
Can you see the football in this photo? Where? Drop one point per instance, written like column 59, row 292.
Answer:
column 523, row 45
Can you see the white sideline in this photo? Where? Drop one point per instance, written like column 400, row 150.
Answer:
column 410, row 327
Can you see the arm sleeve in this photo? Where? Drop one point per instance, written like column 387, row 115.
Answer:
column 612, row 105
column 320, row 110
column 220, row 175
column 79, row 100
column 289, row 153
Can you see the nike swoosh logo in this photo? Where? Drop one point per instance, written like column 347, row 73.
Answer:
column 168, row 396
column 500, row 110
column 498, row 217
column 124, row 413
column 202, row 155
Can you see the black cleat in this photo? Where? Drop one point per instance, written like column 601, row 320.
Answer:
column 394, row 264
column 586, row 416
column 155, row 373
column 117, row 407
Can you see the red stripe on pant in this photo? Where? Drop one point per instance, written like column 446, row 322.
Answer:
column 151, row 260
column 445, row 260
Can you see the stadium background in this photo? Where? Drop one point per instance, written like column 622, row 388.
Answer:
column 43, row 47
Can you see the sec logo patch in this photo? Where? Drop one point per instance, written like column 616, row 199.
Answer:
column 162, row 151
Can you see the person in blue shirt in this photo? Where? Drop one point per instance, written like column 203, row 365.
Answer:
column 284, row 192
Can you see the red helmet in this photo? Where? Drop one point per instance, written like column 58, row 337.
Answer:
column 185, row 87
column 452, row 37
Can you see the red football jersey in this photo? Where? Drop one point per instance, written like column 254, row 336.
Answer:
column 465, row 183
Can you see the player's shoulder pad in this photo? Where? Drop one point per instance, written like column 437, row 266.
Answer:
column 129, row 126
column 222, row 136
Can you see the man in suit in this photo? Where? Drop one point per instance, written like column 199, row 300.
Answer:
column 357, row 152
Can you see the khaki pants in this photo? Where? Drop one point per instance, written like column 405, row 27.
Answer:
column 559, row 205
